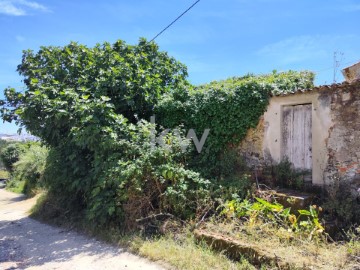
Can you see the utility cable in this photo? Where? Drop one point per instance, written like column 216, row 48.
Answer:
column 174, row 21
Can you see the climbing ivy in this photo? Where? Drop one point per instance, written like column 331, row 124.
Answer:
column 90, row 106
column 228, row 108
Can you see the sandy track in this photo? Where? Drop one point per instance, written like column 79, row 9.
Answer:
column 28, row 244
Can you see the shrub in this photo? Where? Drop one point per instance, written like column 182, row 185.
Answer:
column 3, row 144
column 305, row 224
column 143, row 178
column 284, row 175
column 11, row 153
column 30, row 168
column 4, row 174
column 127, row 177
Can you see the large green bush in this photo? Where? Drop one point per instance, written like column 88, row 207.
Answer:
column 69, row 86
column 10, row 154
column 86, row 104
column 90, row 106
column 127, row 177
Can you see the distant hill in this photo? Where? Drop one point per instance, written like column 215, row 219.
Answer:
column 18, row 138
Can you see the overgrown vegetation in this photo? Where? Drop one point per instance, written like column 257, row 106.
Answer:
column 305, row 224
column 184, row 253
column 90, row 106
column 25, row 164
column 10, row 154
column 283, row 174
column 228, row 108
column 342, row 204
column 29, row 169
column 283, row 246
column 4, row 174
column 102, row 161
column 3, row 143
column 89, row 111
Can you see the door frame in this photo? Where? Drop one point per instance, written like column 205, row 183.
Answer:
column 282, row 126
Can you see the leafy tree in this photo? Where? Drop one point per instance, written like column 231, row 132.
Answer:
column 72, row 85
column 86, row 104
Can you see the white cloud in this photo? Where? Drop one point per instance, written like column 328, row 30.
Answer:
column 32, row 5
column 8, row 8
column 20, row 7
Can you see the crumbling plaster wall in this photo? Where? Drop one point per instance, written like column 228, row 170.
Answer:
column 335, row 132
column 321, row 122
column 343, row 143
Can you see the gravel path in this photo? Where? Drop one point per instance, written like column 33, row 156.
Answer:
column 27, row 244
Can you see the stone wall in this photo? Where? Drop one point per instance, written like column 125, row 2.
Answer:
column 335, row 133
column 251, row 148
column 343, row 143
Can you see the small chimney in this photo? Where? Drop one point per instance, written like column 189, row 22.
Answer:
column 352, row 73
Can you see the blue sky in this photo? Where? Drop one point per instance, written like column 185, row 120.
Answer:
column 216, row 39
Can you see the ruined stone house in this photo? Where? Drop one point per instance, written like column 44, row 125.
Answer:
column 317, row 129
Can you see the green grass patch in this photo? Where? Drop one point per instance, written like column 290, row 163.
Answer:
column 16, row 186
column 184, row 253
column 4, row 174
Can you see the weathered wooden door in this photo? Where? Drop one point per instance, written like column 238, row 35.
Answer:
column 297, row 136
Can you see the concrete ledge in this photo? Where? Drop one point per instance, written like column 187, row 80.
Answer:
column 236, row 249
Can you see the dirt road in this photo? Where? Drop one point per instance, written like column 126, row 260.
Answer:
column 27, row 244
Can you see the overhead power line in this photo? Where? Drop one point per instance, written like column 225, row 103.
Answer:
column 174, row 21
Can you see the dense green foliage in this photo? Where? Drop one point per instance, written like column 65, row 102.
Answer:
column 84, row 103
column 306, row 223
column 90, row 106
column 280, row 83
column 30, row 167
column 25, row 164
column 71, row 86
column 3, row 144
column 228, row 108
column 10, row 154
column 127, row 177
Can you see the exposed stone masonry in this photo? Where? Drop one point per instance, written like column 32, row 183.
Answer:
column 343, row 140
